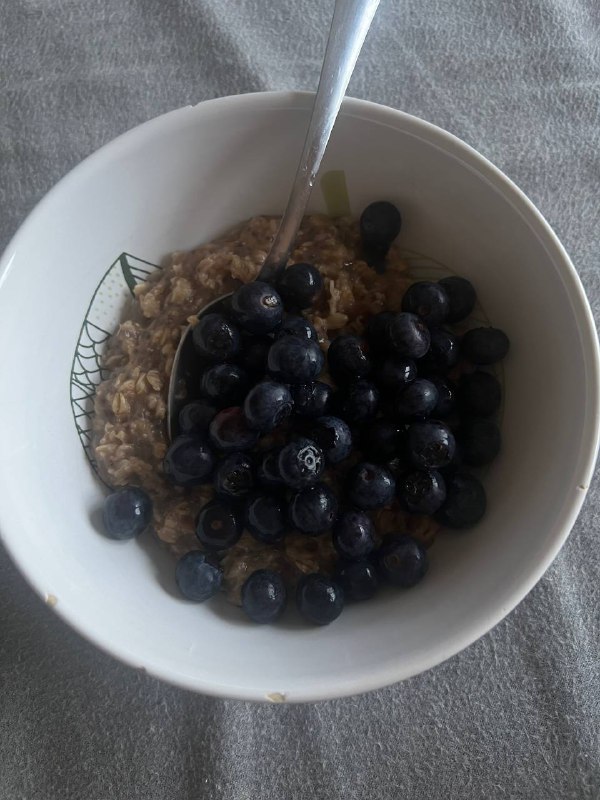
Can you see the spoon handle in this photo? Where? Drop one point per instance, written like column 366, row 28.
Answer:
column 351, row 21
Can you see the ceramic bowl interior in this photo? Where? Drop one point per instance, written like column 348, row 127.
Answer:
column 180, row 180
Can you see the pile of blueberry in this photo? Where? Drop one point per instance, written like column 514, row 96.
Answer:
column 410, row 405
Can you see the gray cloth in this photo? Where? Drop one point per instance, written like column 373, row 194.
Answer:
column 517, row 714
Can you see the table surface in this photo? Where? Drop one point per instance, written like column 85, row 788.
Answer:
column 517, row 715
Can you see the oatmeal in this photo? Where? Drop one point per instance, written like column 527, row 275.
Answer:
column 130, row 422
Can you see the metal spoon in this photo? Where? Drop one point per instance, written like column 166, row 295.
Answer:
column 351, row 21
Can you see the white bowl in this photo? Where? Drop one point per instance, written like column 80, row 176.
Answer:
column 180, row 180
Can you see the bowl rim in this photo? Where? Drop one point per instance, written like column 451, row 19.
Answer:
column 455, row 147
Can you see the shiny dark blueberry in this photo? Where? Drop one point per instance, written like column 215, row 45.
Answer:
column 300, row 286
column 224, row 384
column 126, row 513
column 254, row 354
column 461, row 297
column 294, row 360
column 348, row 358
column 297, row 326
column 427, row 300
column 218, row 526
column 264, row 596
column 229, row 431
column 267, row 405
column 381, row 440
column 443, row 354
column 379, row 224
column 422, row 491
column 198, row 576
column 402, row 561
column 333, row 436
column 189, row 461
column 479, row 394
column 431, row 445
column 370, row 486
column 268, row 469
column 313, row 510
column 446, row 403
column 479, row 442
column 409, row 335
column 358, row 580
column 358, row 401
column 377, row 332
column 319, row 599
column 465, row 501
column 394, row 373
column 301, row 462
column 216, row 338
column 417, row 400
column 312, row 399
column 234, row 476
column 257, row 307
column 265, row 518
column 485, row 345
column 196, row 417
column 354, row 535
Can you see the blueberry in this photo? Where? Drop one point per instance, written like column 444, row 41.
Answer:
column 394, row 373
column 297, row 326
column 320, row 600
column 422, row 491
column 312, row 399
column 348, row 358
column 370, row 486
column 479, row 394
column 485, row 345
column 254, row 354
column 265, row 518
column 465, row 502
column 381, row 440
column 301, row 462
column 417, row 400
column 409, row 335
column 478, row 441
column 257, row 307
column 264, row 596
column 216, row 338
column 446, row 403
column 218, row 526
column 443, row 354
column 300, row 286
column 189, row 461
column 198, row 576
column 267, row 405
column 313, row 510
column 377, row 332
column 354, row 535
column 224, row 384
column 229, row 431
column 379, row 225
column 358, row 580
column 234, row 476
column 333, row 436
column 268, row 469
column 196, row 417
column 461, row 297
column 126, row 513
column 402, row 561
column 431, row 445
column 294, row 360
column 359, row 401
column 427, row 300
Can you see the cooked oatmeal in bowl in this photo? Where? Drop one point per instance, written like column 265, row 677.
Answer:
column 360, row 286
